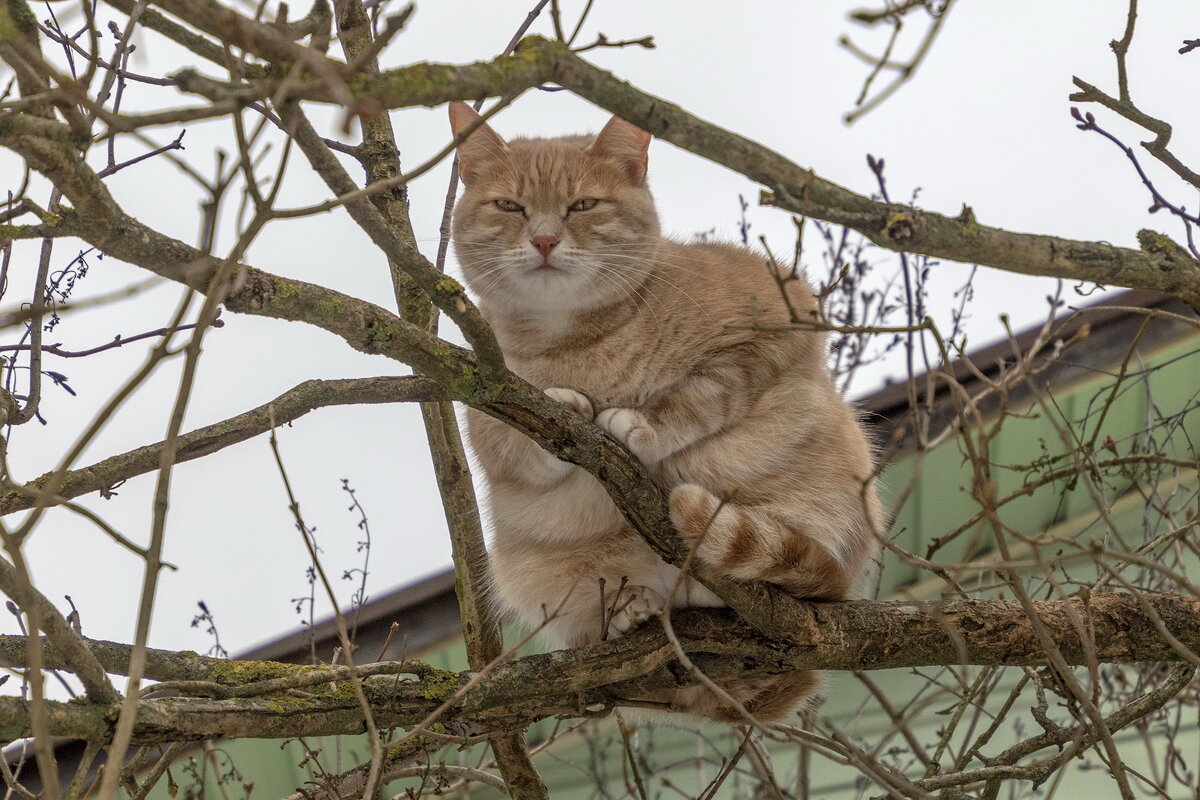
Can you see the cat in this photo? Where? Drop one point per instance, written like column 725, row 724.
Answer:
column 683, row 353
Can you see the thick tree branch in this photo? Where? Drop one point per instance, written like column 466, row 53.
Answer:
column 890, row 225
column 104, row 224
column 794, row 188
column 445, row 292
column 848, row 635
column 775, row 633
column 289, row 406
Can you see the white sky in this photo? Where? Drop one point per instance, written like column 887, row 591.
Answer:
column 986, row 121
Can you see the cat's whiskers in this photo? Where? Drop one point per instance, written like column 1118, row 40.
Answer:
column 645, row 292
column 482, row 243
column 625, row 289
column 486, row 264
column 652, row 274
column 645, row 256
column 637, row 291
column 490, row 266
column 496, row 274
column 671, row 257
column 614, row 258
column 615, row 265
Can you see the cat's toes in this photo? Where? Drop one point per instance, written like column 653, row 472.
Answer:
column 633, row 607
column 693, row 511
column 577, row 401
column 630, row 427
column 625, row 621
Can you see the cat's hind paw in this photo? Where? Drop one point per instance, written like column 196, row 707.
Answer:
column 631, row 428
column 633, row 607
column 576, row 401
column 696, row 514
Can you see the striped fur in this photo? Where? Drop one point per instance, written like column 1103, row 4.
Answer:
column 677, row 350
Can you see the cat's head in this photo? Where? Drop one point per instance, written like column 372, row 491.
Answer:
column 563, row 224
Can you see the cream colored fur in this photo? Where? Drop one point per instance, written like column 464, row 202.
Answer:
column 679, row 352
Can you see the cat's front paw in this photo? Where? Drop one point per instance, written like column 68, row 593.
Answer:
column 631, row 428
column 577, row 401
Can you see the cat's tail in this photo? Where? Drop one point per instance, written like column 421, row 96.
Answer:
column 817, row 554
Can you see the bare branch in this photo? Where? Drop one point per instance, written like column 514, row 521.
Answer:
column 74, row 652
column 289, row 406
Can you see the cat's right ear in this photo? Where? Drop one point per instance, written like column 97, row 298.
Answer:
column 481, row 143
column 626, row 144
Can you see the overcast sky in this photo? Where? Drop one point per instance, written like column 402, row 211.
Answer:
column 985, row 122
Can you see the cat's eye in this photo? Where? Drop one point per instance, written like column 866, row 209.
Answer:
column 584, row 205
column 508, row 205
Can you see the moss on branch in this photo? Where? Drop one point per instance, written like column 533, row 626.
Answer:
column 840, row 636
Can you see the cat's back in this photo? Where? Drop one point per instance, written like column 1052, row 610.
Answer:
column 720, row 293
column 735, row 280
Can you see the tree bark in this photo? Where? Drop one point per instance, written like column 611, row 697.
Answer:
column 284, row 700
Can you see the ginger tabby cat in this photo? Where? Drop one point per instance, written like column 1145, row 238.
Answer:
column 679, row 351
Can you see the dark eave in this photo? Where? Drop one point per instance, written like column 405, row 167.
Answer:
column 1112, row 329
column 425, row 613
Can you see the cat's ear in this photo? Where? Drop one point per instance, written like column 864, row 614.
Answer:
column 626, row 144
column 481, row 144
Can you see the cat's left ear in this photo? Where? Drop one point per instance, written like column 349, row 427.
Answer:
column 626, row 144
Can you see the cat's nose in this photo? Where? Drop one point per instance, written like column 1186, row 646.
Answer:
column 544, row 244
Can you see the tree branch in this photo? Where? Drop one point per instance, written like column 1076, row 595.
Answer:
column 794, row 188
column 445, row 292
column 379, row 155
column 1161, row 130
column 75, row 655
column 191, row 40
column 289, row 406
column 265, row 41
column 839, row 636
column 890, row 225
